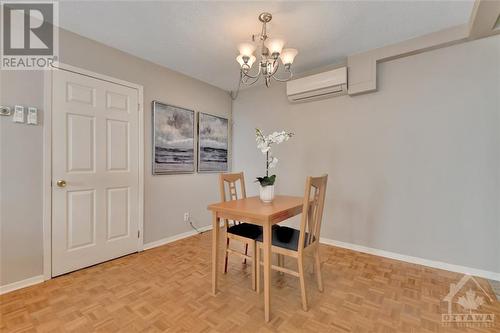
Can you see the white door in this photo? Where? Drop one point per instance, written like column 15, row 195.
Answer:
column 95, row 152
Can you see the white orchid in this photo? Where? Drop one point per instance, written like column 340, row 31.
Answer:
column 264, row 142
column 279, row 137
column 272, row 162
column 264, row 145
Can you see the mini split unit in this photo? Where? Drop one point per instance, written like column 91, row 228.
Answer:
column 327, row 84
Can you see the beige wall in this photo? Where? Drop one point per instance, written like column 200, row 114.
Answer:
column 166, row 197
column 20, row 180
column 413, row 168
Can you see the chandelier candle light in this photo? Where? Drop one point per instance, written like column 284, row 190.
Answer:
column 271, row 51
column 264, row 144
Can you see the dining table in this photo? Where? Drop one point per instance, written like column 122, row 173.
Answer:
column 253, row 210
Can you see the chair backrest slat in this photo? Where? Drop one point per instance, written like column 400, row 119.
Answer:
column 312, row 213
column 231, row 179
column 233, row 194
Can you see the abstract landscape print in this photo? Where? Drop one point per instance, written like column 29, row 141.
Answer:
column 212, row 143
column 173, row 136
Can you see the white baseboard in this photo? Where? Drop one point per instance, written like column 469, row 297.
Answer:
column 174, row 238
column 360, row 248
column 414, row 260
column 40, row 278
column 21, row 284
column 355, row 247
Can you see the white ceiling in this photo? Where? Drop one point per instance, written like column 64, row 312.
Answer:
column 199, row 39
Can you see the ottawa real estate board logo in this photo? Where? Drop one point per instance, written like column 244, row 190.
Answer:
column 466, row 302
column 29, row 37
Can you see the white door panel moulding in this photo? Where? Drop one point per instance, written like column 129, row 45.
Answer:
column 120, row 107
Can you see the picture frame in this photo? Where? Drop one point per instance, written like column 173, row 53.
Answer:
column 213, row 143
column 173, row 146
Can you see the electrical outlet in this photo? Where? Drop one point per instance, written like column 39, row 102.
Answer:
column 186, row 217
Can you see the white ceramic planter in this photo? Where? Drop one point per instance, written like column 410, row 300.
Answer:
column 267, row 193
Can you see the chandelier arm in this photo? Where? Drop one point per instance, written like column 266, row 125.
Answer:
column 290, row 76
column 251, row 76
column 251, row 83
column 276, row 65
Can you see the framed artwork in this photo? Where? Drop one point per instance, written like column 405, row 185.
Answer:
column 173, row 139
column 212, row 143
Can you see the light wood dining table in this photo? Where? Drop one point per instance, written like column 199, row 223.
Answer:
column 253, row 210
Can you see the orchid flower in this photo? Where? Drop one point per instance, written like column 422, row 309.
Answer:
column 264, row 144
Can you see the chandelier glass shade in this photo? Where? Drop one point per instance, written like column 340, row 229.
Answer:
column 271, row 53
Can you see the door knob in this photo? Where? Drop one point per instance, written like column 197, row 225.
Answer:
column 61, row 183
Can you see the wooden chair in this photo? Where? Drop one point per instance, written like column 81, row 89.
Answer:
column 245, row 233
column 303, row 241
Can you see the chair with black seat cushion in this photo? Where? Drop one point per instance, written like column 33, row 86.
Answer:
column 295, row 243
column 245, row 233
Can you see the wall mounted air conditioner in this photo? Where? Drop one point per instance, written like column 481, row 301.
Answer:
column 328, row 84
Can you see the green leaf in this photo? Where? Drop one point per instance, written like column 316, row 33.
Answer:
column 266, row 181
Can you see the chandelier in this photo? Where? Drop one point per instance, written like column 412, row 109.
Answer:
column 271, row 52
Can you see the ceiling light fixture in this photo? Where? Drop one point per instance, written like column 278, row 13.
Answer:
column 271, row 52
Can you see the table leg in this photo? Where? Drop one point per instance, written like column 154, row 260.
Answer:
column 215, row 251
column 267, row 270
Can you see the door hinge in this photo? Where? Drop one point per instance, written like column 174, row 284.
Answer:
column 138, row 107
column 138, row 233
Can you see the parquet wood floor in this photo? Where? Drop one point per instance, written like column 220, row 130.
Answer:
column 169, row 289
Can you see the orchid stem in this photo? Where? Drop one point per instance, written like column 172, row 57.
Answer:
column 267, row 164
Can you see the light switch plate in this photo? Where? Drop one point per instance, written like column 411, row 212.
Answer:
column 18, row 114
column 5, row 111
column 32, row 116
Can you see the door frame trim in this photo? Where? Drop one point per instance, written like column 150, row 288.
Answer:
column 47, row 157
